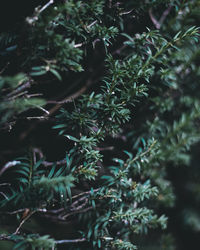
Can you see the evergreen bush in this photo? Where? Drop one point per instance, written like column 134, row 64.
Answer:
column 99, row 100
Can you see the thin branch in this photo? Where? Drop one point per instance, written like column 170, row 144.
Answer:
column 38, row 151
column 74, row 206
column 37, row 118
column 69, row 98
column 5, row 184
column 46, row 6
column 78, row 45
column 72, row 97
column 76, row 212
column 159, row 23
column 70, row 241
column 90, row 25
column 85, row 193
column 4, row 68
column 23, row 221
column 14, row 212
column 95, row 41
column 9, row 165
column 4, row 195
column 20, row 89
column 47, row 163
column 41, row 210
column 154, row 20
column 104, row 148
column 145, row 152
column 38, row 11
column 8, row 237
column 44, row 110
column 165, row 14
column 18, row 95
column 33, row 95
column 126, row 12
column 34, row 157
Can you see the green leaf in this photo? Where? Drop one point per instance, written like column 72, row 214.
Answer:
column 38, row 73
column 53, row 71
column 71, row 138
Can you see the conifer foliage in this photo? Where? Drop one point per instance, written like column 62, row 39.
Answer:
column 117, row 83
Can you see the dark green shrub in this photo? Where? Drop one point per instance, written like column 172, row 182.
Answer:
column 127, row 81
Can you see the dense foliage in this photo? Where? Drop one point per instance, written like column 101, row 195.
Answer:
column 99, row 102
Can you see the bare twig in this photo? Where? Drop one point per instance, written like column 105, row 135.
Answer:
column 33, row 95
column 5, row 237
column 56, row 211
column 4, row 195
column 39, row 152
column 95, row 41
column 73, row 96
column 34, row 157
column 85, row 193
column 76, row 212
column 78, row 45
column 69, row 98
column 83, row 200
column 154, row 20
column 44, row 110
column 15, row 212
column 70, row 241
column 90, row 25
column 159, row 23
column 165, row 14
column 8, row 237
column 144, row 153
column 38, row 11
column 23, row 221
column 104, row 148
column 46, row 6
column 36, row 118
column 47, row 163
column 4, row 68
column 20, row 89
column 18, row 95
column 41, row 210
column 5, row 184
column 85, row 196
column 126, row 12
column 9, row 165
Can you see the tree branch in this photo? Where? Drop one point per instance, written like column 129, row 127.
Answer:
column 63, row 217
column 165, row 14
column 159, row 23
column 9, row 165
column 69, row 98
column 2, row 193
column 38, row 11
column 23, row 221
column 154, row 20
column 8, row 238
column 19, row 89
column 70, row 241
column 46, row 6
